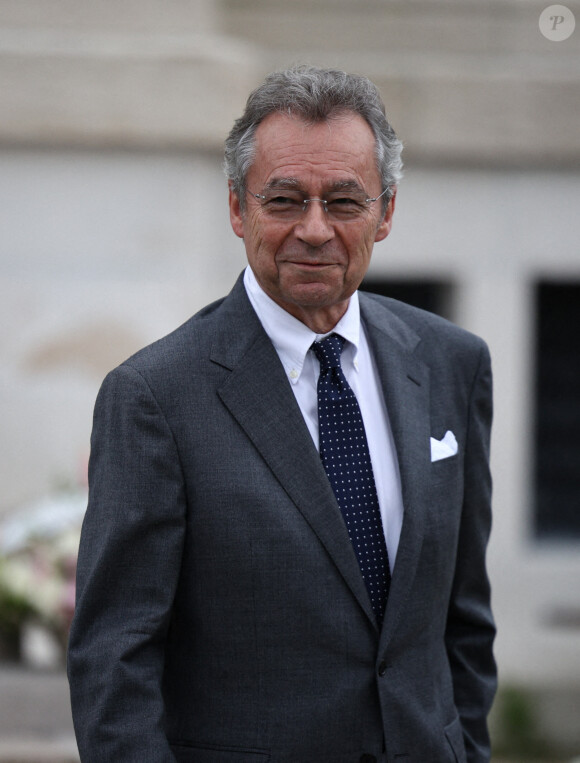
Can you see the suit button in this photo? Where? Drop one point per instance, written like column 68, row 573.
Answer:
column 368, row 759
column 382, row 668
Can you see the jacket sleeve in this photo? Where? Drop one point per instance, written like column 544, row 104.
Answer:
column 128, row 567
column 470, row 627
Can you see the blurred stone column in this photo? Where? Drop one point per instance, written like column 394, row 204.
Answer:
column 118, row 73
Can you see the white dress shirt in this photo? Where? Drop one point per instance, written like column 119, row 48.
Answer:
column 292, row 340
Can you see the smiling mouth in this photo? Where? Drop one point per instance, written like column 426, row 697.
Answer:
column 310, row 265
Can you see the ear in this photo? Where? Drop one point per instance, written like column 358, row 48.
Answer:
column 236, row 216
column 387, row 222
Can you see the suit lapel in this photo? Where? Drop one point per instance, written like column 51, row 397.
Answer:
column 405, row 381
column 264, row 406
column 260, row 398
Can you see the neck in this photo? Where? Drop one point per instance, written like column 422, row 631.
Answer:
column 320, row 320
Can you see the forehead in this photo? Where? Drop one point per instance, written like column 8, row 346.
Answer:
column 324, row 153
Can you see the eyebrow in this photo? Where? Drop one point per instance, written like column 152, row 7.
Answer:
column 347, row 185
column 289, row 184
column 293, row 184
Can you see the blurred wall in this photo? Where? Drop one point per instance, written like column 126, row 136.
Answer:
column 115, row 225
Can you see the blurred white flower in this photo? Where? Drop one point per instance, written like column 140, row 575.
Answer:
column 46, row 519
column 38, row 553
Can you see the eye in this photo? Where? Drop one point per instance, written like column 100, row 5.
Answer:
column 344, row 201
column 346, row 208
column 283, row 201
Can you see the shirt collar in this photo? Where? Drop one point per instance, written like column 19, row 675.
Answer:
column 292, row 338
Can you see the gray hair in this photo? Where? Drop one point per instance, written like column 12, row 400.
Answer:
column 313, row 95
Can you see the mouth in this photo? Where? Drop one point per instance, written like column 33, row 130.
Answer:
column 310, row 265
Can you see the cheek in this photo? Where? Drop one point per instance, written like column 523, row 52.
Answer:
column 267, row 242
column 253, row 237
column 261, row 247
column 360, row 251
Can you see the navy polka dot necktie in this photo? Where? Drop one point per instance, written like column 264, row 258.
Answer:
column 345, row 455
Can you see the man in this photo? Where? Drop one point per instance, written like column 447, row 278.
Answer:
column 236, row 603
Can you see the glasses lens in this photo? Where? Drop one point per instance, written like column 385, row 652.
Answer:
column 346, row 208
column 289, row 206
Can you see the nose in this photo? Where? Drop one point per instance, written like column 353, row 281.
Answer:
column 314, row 227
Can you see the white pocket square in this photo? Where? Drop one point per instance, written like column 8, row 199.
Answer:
column 444, row 448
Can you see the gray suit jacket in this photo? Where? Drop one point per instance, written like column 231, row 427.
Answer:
column 221, row 614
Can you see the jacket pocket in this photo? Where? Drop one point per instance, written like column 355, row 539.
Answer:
column 185, row 752
column 454, row 735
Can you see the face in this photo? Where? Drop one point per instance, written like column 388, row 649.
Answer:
column 311, row 266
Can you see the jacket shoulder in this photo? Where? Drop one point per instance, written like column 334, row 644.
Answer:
column 188, row 340
column 431, row 329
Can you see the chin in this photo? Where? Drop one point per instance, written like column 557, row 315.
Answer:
column 315, row 295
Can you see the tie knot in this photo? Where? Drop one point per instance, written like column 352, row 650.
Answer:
column 328, row 351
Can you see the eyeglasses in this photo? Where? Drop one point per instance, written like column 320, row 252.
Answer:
column 289, row 206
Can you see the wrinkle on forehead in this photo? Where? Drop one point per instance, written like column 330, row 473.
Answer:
column 291, row 152
column 293, row 184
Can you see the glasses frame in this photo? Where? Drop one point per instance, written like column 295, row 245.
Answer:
column 324, row 202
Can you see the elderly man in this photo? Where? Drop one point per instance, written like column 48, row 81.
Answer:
column 283, row 557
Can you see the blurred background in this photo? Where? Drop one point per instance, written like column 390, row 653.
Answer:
column 115, row 230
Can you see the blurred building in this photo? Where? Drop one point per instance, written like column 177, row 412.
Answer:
column 115, row 229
